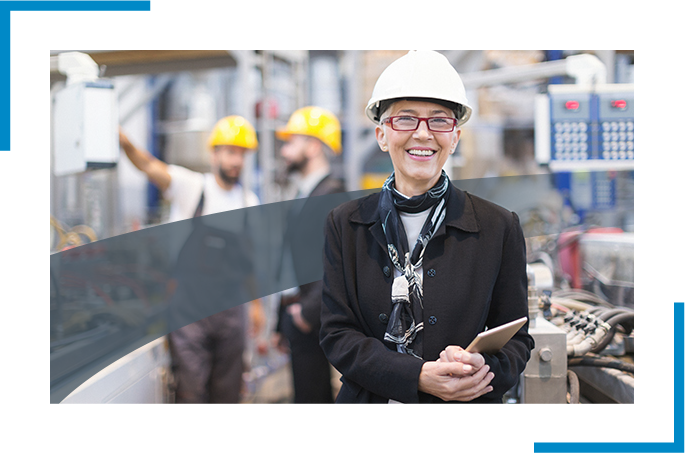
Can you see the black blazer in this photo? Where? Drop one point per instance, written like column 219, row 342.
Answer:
column 302, row 231
column 474, row 276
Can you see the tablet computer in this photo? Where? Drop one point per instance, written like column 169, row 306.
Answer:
column 492, row 340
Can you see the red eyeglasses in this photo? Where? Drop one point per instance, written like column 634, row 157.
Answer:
column 411, row 123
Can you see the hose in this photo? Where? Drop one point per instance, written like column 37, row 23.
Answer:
column 614, row 322
column 86, row 231
column 573, row 394
column 570, row 303
column 602, row 362
column 621, row 318
column 597, row 310
column 582, row 295
column 595, row 336
column 608, row 314
column 61, row 233
column 71, row 236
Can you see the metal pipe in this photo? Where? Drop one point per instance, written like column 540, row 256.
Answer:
column 354, row 149
column 159, row 84
column 247, row 98
column 267, row 145
column 585, row 68
column 573, row 387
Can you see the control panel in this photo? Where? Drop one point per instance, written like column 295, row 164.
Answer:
column 586, row 129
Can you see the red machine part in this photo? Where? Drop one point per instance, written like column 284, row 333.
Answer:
column 569, row 252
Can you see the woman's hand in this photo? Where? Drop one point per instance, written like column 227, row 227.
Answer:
column 472, row 361
column 450, row 381
column 456, row 376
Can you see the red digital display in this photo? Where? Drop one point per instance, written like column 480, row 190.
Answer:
column 619, row 104
column 572, row 105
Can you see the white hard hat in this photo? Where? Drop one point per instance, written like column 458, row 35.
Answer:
column 424, row 74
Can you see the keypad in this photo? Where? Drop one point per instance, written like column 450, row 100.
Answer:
column 616, row 140
column 571, row 140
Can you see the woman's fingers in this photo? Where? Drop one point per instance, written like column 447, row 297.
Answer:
column 456, row 369
column 449, row 381
column 472, row 387
column 474, row 361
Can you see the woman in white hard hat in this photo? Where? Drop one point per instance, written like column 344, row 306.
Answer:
column 412, row 274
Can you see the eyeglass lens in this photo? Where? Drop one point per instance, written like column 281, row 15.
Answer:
column 411, row 123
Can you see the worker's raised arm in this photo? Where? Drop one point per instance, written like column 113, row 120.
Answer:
column 156, row 170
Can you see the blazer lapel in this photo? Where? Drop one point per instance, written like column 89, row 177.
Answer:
column 367, row 214
column 460, row 213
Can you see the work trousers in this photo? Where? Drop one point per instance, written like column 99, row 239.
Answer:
column 311, row 370
column 207, row 358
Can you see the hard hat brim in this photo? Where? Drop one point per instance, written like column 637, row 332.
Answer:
column 372, row 109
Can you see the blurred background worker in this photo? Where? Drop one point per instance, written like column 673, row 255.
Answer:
column 207, row 356
column 312, row 135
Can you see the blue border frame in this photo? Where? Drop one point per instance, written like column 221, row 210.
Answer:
column 651, row 447
column 6, row 8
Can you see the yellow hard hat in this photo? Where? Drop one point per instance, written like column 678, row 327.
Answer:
column 233, row 130
column 315, row 122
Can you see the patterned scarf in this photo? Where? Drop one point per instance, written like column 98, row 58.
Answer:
column 406, row 319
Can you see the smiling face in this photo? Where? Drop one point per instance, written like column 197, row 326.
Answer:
column 417, row 156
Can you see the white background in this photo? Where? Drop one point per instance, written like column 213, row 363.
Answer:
column 32, row 424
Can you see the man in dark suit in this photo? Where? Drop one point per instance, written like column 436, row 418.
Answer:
column 312, row 135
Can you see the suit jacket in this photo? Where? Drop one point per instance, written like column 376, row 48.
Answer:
column 302, row 229
column 474, row 276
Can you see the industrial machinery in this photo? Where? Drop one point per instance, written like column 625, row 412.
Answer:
column 583, row 349
column 581, row 277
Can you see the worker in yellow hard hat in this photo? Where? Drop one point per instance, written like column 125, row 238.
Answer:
column 207, row 356
column 229, row 142
column 312, row 136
